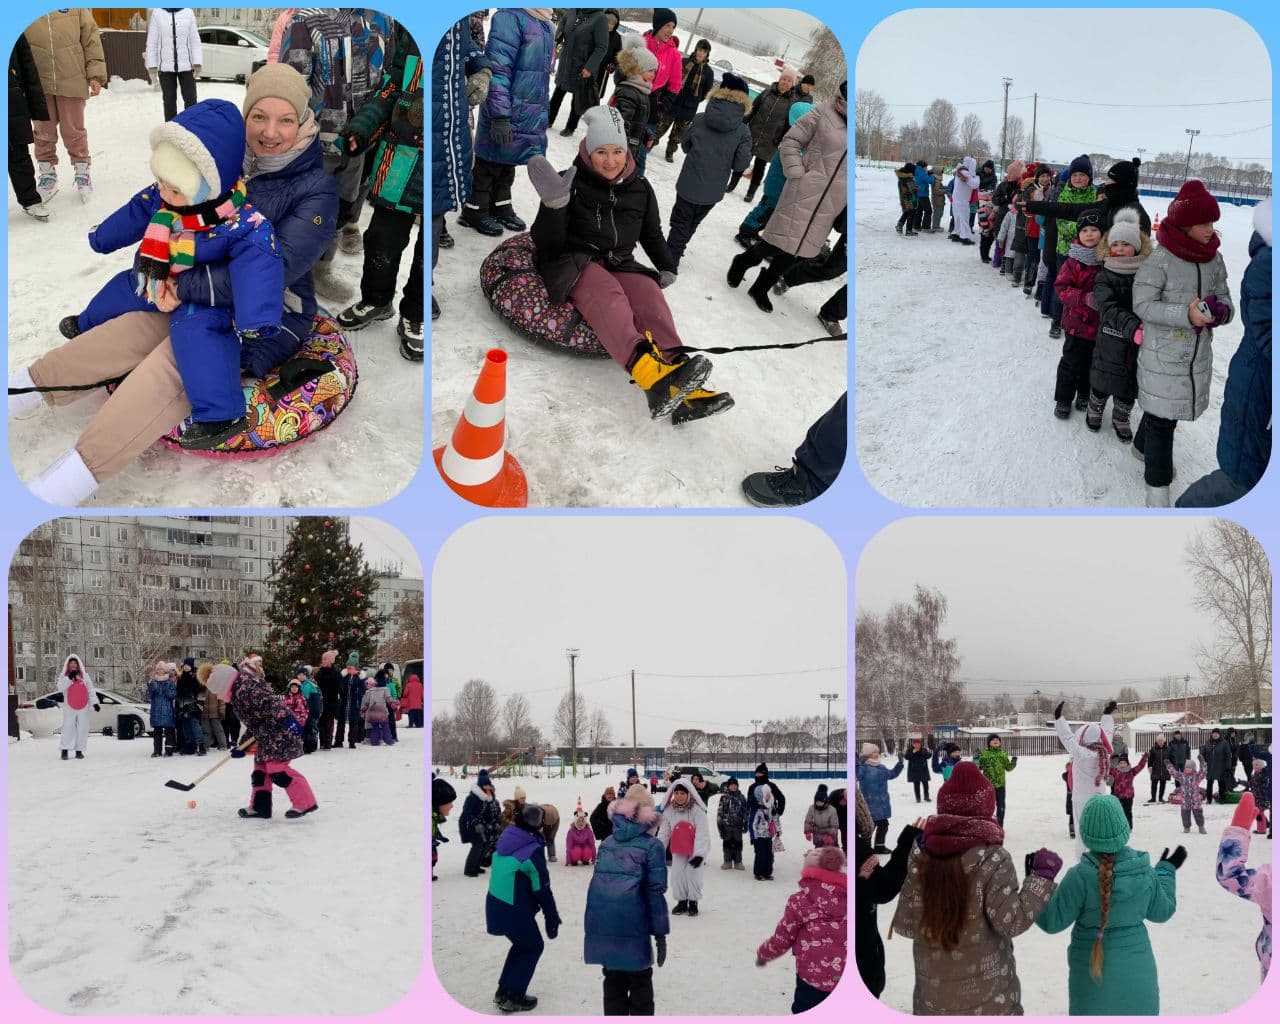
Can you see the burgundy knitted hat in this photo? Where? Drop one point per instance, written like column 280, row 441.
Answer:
column 1193, row 205
column 968, row 793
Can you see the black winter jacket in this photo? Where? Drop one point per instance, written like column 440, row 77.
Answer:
column 918, row 764
column 329, row 679
column 1179, row 753
column 717, row 145
column 1217, row 756
column 601, row 824
column 1115, row 356
column 602, row 223
column 694, row 86
column 26, row 96
column 633, row 105
column 768, row 120
column 1072, row 211
column 1158, row 757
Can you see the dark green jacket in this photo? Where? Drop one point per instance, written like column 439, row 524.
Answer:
column 392, row 118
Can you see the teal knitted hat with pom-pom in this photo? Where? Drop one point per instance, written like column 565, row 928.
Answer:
column 1103, row 828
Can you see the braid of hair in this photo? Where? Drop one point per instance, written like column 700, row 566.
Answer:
column 1106, row 874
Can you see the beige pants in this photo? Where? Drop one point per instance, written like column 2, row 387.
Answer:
column 66, row 113
column 149, row 403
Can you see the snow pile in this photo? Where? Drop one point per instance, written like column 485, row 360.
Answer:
column 956, row 372
column 737, row 913
column 1190, row 983
column 373, row 449
column 124, row 901
column 578, row 426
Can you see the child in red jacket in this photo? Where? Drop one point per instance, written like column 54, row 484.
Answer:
column 1074, row 285
column 1122, row 777
column 815, row 928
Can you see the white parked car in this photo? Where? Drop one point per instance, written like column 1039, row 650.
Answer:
column 42, row 717
column 230, row 53
column 686, row 770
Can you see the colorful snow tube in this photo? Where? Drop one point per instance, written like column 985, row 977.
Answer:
column 515, row 290
column 296, row 400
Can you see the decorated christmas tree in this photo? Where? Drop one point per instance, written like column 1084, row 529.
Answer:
column 323, row 598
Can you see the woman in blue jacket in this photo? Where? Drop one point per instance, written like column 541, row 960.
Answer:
column 873, row 779
column 626, row 904
column 161, row 693
column 513, row 118
column 286, row 181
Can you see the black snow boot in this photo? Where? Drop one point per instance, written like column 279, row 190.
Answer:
column 779, row 489
column 79, row 755
column 1055, row 329
column 1039, row 289
column 681, row 908
column 1120, row 421
column 359, row 315
column 512, row 1003
column 435, row 309
column 446, row 239
column 1062, row 410
column 1093, row 414
column 201, row 437
column 1082, row 402
column 761, row 296
column 1017, row 277
column 292, row 813
column 64, row 755
column 1006, row 266
column 477, row 221
column 700, row 404
column 69, row 326
column 693, row 908
column 506, row 216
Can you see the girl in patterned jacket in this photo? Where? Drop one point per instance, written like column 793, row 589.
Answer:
column 814, row 928
column 1122, row 777
column 277, row 738
column 1248, row 883
column 1189, row 794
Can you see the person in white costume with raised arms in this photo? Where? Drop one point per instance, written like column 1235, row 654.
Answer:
column 1090, row 750
column 78, row 696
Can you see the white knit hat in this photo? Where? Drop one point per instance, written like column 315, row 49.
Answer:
column 869, row 748
column 1126, row 227
column 605, row 127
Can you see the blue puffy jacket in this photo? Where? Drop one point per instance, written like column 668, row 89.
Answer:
column 1244, row 438
column 301, row 202
column 626, row 901
column 924, row 183
column 519, row 53
column 873, row 779
column 457, row 55
column 160, row 696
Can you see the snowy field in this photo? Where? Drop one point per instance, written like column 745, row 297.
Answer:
column 956, row 370
column 366, row 457
column 581, row 430
column 1191, row 983
column 123, row 901
column 737, row 914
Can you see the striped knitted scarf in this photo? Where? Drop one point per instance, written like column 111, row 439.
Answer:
column 168, row 245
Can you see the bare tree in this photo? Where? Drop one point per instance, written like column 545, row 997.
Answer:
column 1128, row 695
column 688, row 741
column 448, row 746
column 736, row 744
column 971, row 140
column 38, row 591
column 475, row 709
column 406, row 641
column 562, row 725
column 940, row 126
column 1233, row 584
column 826, row 61
column 716, row 742
column 518, row 729
column 1015, row 138
column 599, row 731
column 873, row 124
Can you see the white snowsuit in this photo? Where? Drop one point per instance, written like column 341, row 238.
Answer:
column 1084, row 764
column 684, row 879
column 78, row 699
column 962, row 195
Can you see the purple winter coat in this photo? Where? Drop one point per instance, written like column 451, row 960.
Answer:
column 518, row 54
column 1190, row 795
column 263, row 715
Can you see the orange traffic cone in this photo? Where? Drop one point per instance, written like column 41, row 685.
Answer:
column 578, row 810
column 1155, row 224
column 475, row 463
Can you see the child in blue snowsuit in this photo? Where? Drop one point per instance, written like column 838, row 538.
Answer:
column 873, row 779
column 195, row 215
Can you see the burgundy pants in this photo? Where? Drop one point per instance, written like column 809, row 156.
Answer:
column 279, row 773
column 620, row 308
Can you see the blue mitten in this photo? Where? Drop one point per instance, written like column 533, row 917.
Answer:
column 292, row 726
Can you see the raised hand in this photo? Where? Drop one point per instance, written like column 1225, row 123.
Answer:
column 1057, row 712
column 1111, row 706
column 552, row 188
column 1044, row 862
column 1176, row 858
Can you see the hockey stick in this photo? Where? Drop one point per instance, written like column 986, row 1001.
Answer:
column 187, row 787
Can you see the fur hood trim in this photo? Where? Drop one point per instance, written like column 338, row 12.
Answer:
column 735, row 95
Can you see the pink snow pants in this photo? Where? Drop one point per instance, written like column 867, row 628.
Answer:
column 265, row 773
column 620, row 308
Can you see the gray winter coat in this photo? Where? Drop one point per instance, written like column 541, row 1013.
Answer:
column 585, row 44
column 768, row 120
column 1175, row 362
column 717, row 144
column 813, row 155
column 375, row 706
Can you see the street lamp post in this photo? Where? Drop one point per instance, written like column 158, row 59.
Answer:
column 572, row 653
column 1192, row 132
column 828, row 697
column 755, row 737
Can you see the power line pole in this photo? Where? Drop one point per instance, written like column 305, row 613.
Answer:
column 1004, row 124
column 1035, row 109
column 572, row 652
column 633, row 715
column 1186, row 687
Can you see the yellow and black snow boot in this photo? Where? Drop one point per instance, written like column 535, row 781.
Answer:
column 666, row 384
column 701, row 404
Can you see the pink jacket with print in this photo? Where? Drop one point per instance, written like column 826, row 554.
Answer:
column 815, row 928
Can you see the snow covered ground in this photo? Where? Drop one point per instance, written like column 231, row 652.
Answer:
column 955, row 372
column 367, row 456
column 578, row 426
column 123, row 901
column 737, row 914
column 1191, row 983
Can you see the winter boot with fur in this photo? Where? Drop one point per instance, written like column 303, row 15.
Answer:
column 666, row 384
column 328, row 284
column 351, row 241
column 1120, row 419
column 47, row 184
column 1093, row 414
column 84, row 183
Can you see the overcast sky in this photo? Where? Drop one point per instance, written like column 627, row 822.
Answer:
column 1048, row 598
column 707, row 598
column 384, row 543
column 1102, row 57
